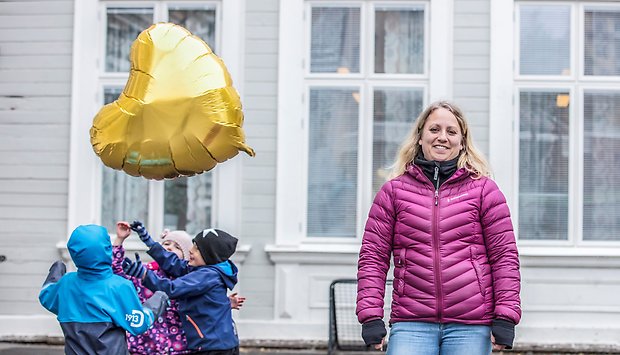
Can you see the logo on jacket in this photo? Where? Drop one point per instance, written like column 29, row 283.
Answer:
column 136, row 318
column 450, row 199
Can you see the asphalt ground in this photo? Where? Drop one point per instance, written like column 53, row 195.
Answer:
column 44, row 349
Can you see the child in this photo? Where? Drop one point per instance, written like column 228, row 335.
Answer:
column 94, row 306
column 166, row 336
column 200, row 288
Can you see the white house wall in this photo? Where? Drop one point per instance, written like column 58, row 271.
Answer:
column 259, row 183
column 35, row 88
column 567, row 298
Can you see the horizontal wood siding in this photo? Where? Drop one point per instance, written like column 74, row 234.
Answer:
column 259, row 183
column 471, row 65
column 35, row 89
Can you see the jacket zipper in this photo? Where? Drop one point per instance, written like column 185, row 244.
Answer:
column 436, row 178
column 435, row 235
column 195, row 325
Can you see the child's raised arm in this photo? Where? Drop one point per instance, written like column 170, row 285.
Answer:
column 48, row 297
column 194, row 283
column 123, row 231
column 168, row 262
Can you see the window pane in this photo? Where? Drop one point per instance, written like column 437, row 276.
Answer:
column 399, row 41
column 602, row 42
column 188, row 203
column 335, row 42
column 601, row 195
column 332, row 170
column 395, row 110
column 545, row 40
column 124, row 26
column 123, row 197
column 200, row 22
column 111, row 94
column 543, row 165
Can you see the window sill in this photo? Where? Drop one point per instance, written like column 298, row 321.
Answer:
column 347, row 254
column 576, row 257
column 313, row 253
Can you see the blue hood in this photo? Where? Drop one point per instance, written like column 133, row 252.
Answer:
column 91, row 250
column 228, row 272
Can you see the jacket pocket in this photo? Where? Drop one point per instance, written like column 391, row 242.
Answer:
column 478, row 269
column 401, row 265
column 191, row 321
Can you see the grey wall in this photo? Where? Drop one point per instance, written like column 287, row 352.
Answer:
column 471, row 66
column 259, row 173
column 35, row 87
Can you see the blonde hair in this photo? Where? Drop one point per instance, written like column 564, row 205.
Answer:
column 470, row 158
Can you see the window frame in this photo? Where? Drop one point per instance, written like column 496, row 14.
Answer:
column 507, row 82
column 88, row 83
column 295, row 80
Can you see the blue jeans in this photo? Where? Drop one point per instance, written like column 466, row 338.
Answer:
column 421, row 338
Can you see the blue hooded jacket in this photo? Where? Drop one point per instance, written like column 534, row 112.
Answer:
column 201, row 292
column 94, row 306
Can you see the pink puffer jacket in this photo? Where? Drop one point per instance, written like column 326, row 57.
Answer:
column 455, row 254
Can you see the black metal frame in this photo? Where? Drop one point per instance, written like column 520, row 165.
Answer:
column 333, row 344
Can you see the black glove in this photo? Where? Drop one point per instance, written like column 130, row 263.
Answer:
column 138, row 227
column 373, row 332
column 157, row 303
column 504, row 332
column 56, row 271
column 134, row 268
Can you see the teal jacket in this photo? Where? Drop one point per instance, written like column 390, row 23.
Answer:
column 94, row 306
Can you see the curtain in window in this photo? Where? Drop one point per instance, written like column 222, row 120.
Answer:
column 335, row 40
column 544, row 47
column 399, row 41
column 124, row 26
column 188, row 203
column 332, row 165
column 602, row 42
column 394, row 112
column 200, row 22
column 123, row 198
column 543, row 165
column 601, row 195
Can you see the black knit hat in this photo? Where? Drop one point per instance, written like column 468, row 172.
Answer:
column 215, row 245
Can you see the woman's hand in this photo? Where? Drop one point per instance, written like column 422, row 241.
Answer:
column 123, row 230
column 373, row 333
column 380, row 346
column 497, row 346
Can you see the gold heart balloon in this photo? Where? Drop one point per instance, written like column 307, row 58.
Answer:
column 178, row 114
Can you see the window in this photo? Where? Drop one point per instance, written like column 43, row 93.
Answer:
column 185, row 202
column 336, row 113
column 568, row 119
column 101, row 195
column 365, row 77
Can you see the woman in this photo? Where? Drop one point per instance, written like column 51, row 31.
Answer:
column 456, row 266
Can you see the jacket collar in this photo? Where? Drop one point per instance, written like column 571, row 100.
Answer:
column 416, row 172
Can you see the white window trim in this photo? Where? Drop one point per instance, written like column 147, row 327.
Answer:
column 504, row 121
column 501, row 112
column 84, row 173
column 290, row 209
